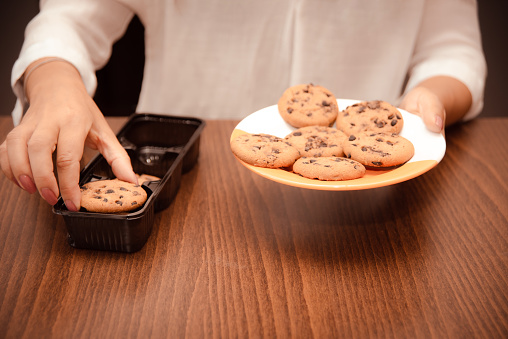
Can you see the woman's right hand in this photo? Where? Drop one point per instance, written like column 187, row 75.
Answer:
column 62, row 117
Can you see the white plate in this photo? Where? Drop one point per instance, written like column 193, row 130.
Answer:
column 429, row 147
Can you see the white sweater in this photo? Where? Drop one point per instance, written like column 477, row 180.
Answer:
column 224, row 59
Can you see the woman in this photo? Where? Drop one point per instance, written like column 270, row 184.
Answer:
column 226, row 59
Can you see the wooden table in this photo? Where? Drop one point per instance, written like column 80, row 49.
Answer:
column 237, row 255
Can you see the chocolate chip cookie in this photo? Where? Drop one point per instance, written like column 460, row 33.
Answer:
column 307, row 105
column 378, row 149
column 329, row 168
column 376, row 116
column 112, row 196
column 317, row 141
column 264, row 150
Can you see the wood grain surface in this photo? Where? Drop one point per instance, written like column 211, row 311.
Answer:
column 236, row 255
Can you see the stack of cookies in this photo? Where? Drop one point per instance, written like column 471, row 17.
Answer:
column 367, row 136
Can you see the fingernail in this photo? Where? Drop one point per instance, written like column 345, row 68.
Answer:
column 439, row 122
column 27, row 184
column 49, row 196
column 70, row 206
column 134, row 179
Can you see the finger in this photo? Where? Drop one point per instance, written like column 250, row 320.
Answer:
column 17, row 158
column 41, row 146
column 114, row 153
column 4, row 163
column 119, row 160
column 433, row 114
column 68, row 155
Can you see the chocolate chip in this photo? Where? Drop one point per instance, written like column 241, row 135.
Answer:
column 97, row 197
column 364, row 149
column 325, row 103
column 123, row 189
column 377, row 163
column 352, row 138
column 134, row 203
column 109, row 191
column 105, row 200
column 374, row 105
column 389, row 143
column 118, row 202
column 391, row 116
column 289, row 110
column 394, row 122
column 135, row 193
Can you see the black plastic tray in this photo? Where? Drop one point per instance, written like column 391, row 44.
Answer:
column 159, row 145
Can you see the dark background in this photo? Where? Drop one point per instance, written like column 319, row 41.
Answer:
column 120, row 81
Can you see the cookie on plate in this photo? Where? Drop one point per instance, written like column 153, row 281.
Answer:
column 329, row 168
column 264, row 150
column 112, row 196
column 307, row 105
column 378, row 149
column 376, row 116
column 317, row 141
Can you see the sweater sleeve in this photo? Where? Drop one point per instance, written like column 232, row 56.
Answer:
column 81, row 32
column 449, row 43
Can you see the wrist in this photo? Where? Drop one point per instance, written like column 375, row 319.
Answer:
column 47, row 76
column 453, row 95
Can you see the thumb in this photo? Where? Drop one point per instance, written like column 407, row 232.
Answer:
column 422, row 102
column 116, row 156
column 433, row 114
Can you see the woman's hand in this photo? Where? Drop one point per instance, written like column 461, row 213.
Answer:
column 423, row 102
column 62, row 117
column 440, row 101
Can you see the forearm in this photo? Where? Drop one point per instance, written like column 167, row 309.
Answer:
column 452, row 93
